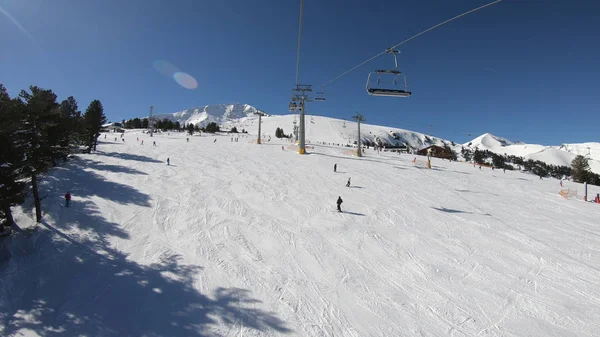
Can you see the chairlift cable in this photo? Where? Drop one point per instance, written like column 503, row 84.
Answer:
column 299, row 36
column 410, row 38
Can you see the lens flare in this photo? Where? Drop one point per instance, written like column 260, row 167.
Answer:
column 185, row 80
column 166, row 68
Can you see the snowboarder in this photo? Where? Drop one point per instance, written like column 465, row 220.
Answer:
column 215, row 140
column 348, row 183
column 339, row 204
column 335, row 167
column 168, row 162
column 68, row 199
column 561, row 183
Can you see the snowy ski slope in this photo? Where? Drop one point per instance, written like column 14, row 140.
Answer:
column 237, row 239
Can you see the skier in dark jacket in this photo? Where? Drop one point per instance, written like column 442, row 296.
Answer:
column 68, row 200
column 334, row 167
column 348, row 183
column 339, row 204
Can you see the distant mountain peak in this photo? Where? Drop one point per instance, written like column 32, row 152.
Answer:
column 218, row 113
column 489, row 141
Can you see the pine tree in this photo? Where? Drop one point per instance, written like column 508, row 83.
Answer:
column 580, row 169
column 190, row 129
column 234, row 130
column 212, row 127
column 70, row 126
column 39, row 110
column 94, row 118
column 12, row 157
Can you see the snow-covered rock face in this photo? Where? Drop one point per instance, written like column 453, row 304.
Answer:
column 218, row 113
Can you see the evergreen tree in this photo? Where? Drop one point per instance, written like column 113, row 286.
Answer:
column 234, row 130
column 498, row 160
column 12, row 157
column 580, row 169
column 279, row 133
column 70, row 126
column 177, row 126
column 212, row 127
column 40, row 110
column 143, row 124
column 190, row 129
column 94, row 118
column 478, row 157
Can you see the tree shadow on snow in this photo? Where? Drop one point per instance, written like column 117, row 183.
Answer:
column 57, row 283
column 107, row 167
column 439, row 168
column 83, row 287
column 477, row 192
column 80, row 182
column 128, row 156
column 456, row 211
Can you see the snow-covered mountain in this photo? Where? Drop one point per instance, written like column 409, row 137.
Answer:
column 555, row 155
column 488, row 141
column 338, row 131
column 218, row 113
column 331, row 130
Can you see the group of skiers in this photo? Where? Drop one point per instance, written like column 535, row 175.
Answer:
column 339, row 200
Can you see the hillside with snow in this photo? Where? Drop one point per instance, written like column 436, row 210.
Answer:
column 556, row 155
column 332, row 130
column 344, row 132
column 239, row 239
column 217, row 113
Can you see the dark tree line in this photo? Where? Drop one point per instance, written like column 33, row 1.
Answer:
column 579, row 169
column 36, row 131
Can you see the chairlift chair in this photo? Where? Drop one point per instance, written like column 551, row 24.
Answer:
column 293, row 106
column 320, row 96
column 398, row 79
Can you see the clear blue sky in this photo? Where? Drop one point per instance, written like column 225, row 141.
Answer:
column 522, row 69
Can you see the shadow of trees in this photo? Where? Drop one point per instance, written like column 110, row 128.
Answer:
column 456, row 211
column 128, row 156
column 65, row 282
column 75, row 177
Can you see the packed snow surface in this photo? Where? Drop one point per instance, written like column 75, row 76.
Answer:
column 239, row 239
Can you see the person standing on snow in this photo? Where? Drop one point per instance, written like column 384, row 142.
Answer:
column 168, row 162
column 339, row 204
column 334, row 167
column 348, row 183
column 68, row 199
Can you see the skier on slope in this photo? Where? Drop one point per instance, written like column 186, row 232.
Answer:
column 339, row 204
column 335, row 167
column 168, row 161
column 68, row 199
column 348, row 183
